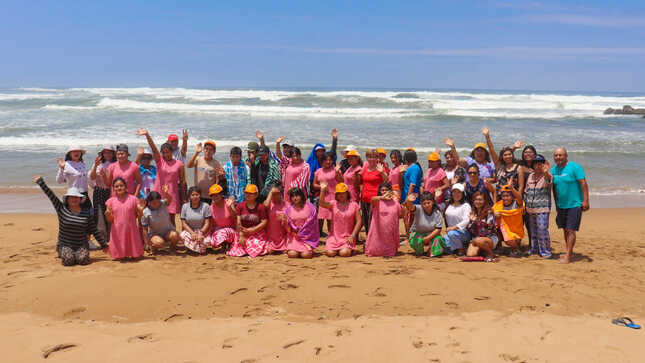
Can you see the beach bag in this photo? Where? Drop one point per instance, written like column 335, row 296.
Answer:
column 437, row 247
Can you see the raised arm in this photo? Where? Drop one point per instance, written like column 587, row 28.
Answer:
column 140, row 151
column 453, row 150
column 97, row 162
column 151, row 143
column 260, row 137
column 191, row 162
column 334, row 143
column 278, row 149
column 58, row 205
column 491, row 147
column 60, row 175
column 409, row 202
column 184, row 143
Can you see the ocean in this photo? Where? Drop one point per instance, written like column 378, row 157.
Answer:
column 37, row 124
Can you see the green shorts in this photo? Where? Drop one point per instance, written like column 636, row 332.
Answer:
column 437, row 244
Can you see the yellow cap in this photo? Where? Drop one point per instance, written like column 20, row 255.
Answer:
column 410, row 149
column 506, row 188
column 341, row 188
column 480, row 145
column 433, row 157
column 251, row 188
column 381, row 151
column 214, row 189
column 211, row 143
column 352, row 153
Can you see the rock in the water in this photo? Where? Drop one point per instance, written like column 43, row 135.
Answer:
column 626, row 110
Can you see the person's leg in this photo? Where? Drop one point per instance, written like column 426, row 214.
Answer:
column 82, row 256
column 345, row 252
column 172, row 237
column 157, row 242
column 293, row 254
column 172, row 219
column 331, row 253
column 67, row 257
column 570, row 237
column 513, row 244
column 366, row 215
column 542, row 239
column 307, row 254
column 532, row 220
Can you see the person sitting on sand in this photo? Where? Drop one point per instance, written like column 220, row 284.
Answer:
column 457, row 216
column 224, row 219
column 75, row 223
column 428, row 222
column 196, row 222
column 571, row 195
column 251, row 225
column 302, row 227
column 155, row 222
column 383, row 237
column 72, row 171
column 482, row 228
column 276, row 226
column 346, row 219
column 124, row 169
column 508, row 216
column 122, row 211
column 537, row 197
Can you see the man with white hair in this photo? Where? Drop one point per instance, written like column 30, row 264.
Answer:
column 571, row 194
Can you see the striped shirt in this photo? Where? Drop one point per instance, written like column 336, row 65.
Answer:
column 73, row 228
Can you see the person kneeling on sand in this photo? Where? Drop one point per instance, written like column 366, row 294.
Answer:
column 251, row 226
column 302, row 227
column 196, row 222
column 155, row 221
column 345, row 218
column 508, row 216
column 426, row 227
column 482, row 227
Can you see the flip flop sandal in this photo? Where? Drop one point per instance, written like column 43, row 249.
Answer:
column 626, row 322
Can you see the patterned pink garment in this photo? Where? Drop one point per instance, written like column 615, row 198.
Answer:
column 348, row 179
column 224, row 234
column 169, row 172
column 193, row 245
column 344, row 219
column 328, row 176
column 256, row 245
column 296, row 176
column 299, row 217
column 383, row 237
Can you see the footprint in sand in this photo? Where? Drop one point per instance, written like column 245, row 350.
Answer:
column 343, row 331
column 289, row 345
column 228, row 343
column 338, row 286
column 148, row 337
column 288, row 286
column 74, row 312
column 418, row 344
column 482, row 298
column 452, row 305
column 47, row 351
column 377, row 293
column 238, row 290
column 509, row 357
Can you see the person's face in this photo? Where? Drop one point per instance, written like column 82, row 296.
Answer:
column 195, row 198
column 174, row 144
column 209, row 151
column 394, row 159
column 427, row 206
column 122, row 156
column 507, row 198
column 146, row 160
column 75, row 155
column 353, row 160
column 372, row 159
column 507, row 157
column 342, row 197
column 154, row 204
column 276, row 197
column 264, row 158
column 478, row 202
column 529, row 155
column 108, row 155
column 384, row 190
column 457, row 195
column 480, row 155
column 217, row 198
column 235, row 158
column 560, row 157
column 473, row 174
column 250, row 197
column 250, row 154
column 320, row 153
column 119, row 187
column 450, row 160
column 287, row 150
column 434, row 164
column 296, row 199
column 74, row 202
column 327, row 163
column 381, row 157
column 166, row 154
column 539, row 167
column 295, row 158
column 345, row 154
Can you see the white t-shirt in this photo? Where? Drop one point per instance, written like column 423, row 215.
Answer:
column 458, row 216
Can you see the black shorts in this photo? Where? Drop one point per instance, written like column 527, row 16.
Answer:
column 569, row 218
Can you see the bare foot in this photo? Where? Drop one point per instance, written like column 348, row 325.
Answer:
column 565, row 259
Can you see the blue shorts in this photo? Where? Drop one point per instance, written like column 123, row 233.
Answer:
column 569, row 218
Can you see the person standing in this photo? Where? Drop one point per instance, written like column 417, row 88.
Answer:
column 101, row 193
column 571, row 194
column 537, row 197
column 125, row 169
column 179, row 153
column 72, row 171
column 373, row 174
column 296, row 175
column 236, row 175
column 264, row 173
column 208, row 171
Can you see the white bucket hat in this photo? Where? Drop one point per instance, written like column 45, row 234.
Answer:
column 74, row 192
column 458, row 186
column 108, row 147
column 75, row 148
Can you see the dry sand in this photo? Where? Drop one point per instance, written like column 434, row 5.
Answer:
column 180, row 308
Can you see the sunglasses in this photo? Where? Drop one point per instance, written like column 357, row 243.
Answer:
column 473, row 173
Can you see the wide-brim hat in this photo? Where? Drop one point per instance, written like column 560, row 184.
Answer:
column 74, row 192
column 75, row 148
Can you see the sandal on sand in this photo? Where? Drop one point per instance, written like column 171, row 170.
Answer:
column 626, row 322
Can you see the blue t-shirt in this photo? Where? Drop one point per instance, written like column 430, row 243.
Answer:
column 148, row 177
column 413, row 175
column 567, row 188
column 486, row 170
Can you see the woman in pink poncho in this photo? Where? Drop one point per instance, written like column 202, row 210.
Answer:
column 346, row 219
column 383, row 237
column 297, row 174
column 302, row 228
column 277, row 226
column 223, row 225
column 122, row 211
column 326, row 174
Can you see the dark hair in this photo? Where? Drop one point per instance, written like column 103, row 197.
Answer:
column 297, row 191
column 329, row 155
column 523, row 162
column 103, row 157
column 410, row 156
column 485, row 209
column 472, row 154
column 153, row 196
column 278, row 185
column 428, row 196
column 68, row 157
column 121, row 180
column 194, row 189
column 463, row 197
column 397, row 154
column 295, row 151
column 384, row 185
column 166, row 145
column 473, row 166
column 501, row 156
column 235, row 150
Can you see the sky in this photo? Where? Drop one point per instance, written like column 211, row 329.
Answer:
column 526, row 45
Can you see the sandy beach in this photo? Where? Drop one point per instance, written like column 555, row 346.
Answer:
column 183, row 307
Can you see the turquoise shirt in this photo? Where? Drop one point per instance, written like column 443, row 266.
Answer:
column 567, row 187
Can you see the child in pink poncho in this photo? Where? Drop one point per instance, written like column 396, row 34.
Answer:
column 303, row 234
column 277, row 226
column 383, row 237
column 346, row 219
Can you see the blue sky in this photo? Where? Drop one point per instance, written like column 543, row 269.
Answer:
column 543, row 45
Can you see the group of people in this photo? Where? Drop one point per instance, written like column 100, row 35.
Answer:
column 277, row 202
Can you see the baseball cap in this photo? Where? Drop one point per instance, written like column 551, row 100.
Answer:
column 173, row 137
column 341, row 188
column 252, row 146
column 380, row 150
column 214, row 189
column 251, row 188
column 433, row 157
column 263, row 150
column 211, row 143
column 122, row 147
column 480, row 145
column 458, row 186
column 539, row 158
column 352, row 153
